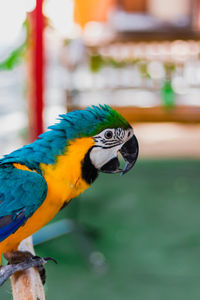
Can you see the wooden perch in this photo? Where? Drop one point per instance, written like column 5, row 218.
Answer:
column 27, row 285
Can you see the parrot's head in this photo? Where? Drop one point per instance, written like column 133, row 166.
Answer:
column 111, row 134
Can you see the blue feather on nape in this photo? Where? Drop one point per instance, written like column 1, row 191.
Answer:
column 73, row 125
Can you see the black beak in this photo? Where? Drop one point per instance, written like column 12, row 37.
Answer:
column 129, row 152
column 112, row 166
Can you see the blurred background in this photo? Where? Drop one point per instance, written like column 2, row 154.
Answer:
column 131, row 237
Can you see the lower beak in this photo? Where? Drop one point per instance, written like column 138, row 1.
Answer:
column 129, row 152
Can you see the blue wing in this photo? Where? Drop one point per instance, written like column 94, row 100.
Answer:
column 21, row 193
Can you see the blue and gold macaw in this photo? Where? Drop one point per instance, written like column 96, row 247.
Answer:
column 37, row 180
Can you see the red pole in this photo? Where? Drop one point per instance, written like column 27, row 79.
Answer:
column 36, row 71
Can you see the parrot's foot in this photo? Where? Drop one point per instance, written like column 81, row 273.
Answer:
column 20, row 261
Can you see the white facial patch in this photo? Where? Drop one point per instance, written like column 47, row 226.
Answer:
column 107, row 144
column 100, row 156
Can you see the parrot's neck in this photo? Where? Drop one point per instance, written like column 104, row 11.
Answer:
column 89, row 172
column 72, row 172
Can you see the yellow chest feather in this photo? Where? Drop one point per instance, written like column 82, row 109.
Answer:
column 64, row 179
column 64, row 182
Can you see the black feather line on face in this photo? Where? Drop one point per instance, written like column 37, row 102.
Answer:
column 117, row 139
column 89, row 172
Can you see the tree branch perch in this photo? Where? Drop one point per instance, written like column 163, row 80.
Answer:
column 27, row 285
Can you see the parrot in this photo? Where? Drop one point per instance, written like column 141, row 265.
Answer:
column 40, row 178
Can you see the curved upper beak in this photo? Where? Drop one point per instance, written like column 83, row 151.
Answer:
column 129, row 152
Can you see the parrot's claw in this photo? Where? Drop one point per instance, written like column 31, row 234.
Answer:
column 41, row 268
column 50, row 258
column 20, row 261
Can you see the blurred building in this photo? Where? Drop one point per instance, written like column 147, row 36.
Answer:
column 142, row 57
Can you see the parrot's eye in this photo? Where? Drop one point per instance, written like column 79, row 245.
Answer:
column 129, row 133
column 108, row 134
